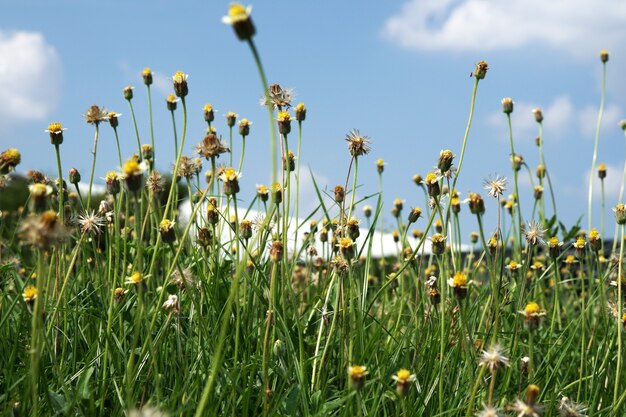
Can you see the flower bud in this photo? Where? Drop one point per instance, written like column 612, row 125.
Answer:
column 56, row 133
column 284, row 122
column 415, row 214
column 74, row 176
column 166, row 228
column 340, row 194
column 620, row 213
column 128, row 92
column 171, row 102
column 438, row 243
column 244, row 127
column 538, row 115
column 481, row 70
column 300, row 112
column 147, row 76
column 507, row 105
column 445, row 160
column 231, row 118
column 239, row 18
column 181, row 88
column 602, row 171
column 604, row 56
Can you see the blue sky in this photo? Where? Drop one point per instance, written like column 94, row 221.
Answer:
column 396, row 70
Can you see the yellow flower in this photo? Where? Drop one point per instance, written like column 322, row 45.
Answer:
column 531, row 309
column 30, row 294
column 135, row 279
column 357, row 375
column 237, row 13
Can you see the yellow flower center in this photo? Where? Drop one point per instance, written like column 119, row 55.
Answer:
column 283, row 116
column 147, row 71
column 30, row 293
column 179, row 77
column 431, row 178
column 111, row 176
column 357, row 371
column 230, row 174
column 570, row 259
column 403, row 375
column 171, row 98
column 345, row 243
column 166, row 225
column 553, row 242
column 236, row 11
column 55, row 127
column 12, row 156
column 513, row 265
column 131, row 167
column 532, row 308
column 136, row 278
column 459, row 280
column 261, row 189
column 300, row 107
column 580, row 243
column 380, row 163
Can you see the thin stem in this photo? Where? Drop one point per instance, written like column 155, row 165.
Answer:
column 61, row 210
column 93, row 164
column 595, row 146
column 273, row 138
column 618, row 322
column 151, row 125
column 132, row 112
column 467, row 129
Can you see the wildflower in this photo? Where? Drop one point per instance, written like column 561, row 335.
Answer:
column 538, row 192
column 432, row 184
column 128, row 92
column 481, row 70
column 118, row 294
column 171, row 304
column 570, row 259
column 300, row 112
column 534, row 233
column 277, row 193
column 415, row 214
column 211, row 146
column 231, row 118
column 166, row 229
column 529, row 408
column 507, row 105
column 352, row 225
column 495, row 185
column 604, row 56
column 538, row 266
column 554, row 246
column 276, row 251
column 455, row 205
column 357, row 375
column 262, row 192
column 30, row 294
column 135, row 279
column 595, row 240
column 357, row 143
column 524, row 364
column 620, row 213
column 56, row 133
column 245, row 228
column 289, row 163
column 171, row 102
column 438, row 243
column 489, row 411
column 367, row 211
column 579, row 245
column 146, row 74
column 155, row 182
column 445, row 160
column 112, row 180
column 493, row 358
column 398, row 203
column 205, row 237
column 180, row 84
column 38, row 196
column 239, row 18
column 340, row 264
column 277, row 97
column 9, row 159
column 476, row 203
column 568, row 408
column 459, row 285
column 42, row 231
column 622, row 124
column 244, row 127
column 417, row 179
column 602, row 171
column 346, row 246
column 95, row 115
column 538, row 115
column 91, row 223
column 403, row 379
column 396, row 235
column 438, row 226
column 532, row 314
column 133, row 174
column 541, row 171
column 112, row 117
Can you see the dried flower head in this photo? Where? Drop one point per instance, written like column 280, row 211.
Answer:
column 568, row 408
column 277, row 97
column 91, row 223
column 534, row 232
column 42, row 231
column 211, row 146
column 171, row 304
column 9, row 159
column 95, row 115
column 155, row 182
column 493, row 358
column 495, row 185
column 620, row 213
column 357, row 143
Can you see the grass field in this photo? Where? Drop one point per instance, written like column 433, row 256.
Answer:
column 111, row 305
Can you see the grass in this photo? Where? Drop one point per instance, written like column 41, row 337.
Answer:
column 129, row 310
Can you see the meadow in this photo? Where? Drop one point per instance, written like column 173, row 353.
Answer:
column 116, row 304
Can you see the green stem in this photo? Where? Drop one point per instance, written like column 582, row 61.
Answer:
column 467, row 129
column 93, row 165
column 61, row 210
column 619, row 323
column 273, row 138
column 595, row 146
column 516, row 191
column 151, row 125
column 132, row 112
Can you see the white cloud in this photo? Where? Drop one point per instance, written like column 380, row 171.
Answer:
column 578, row 26
column 30, row 75
column 162, row 83
column 561, row 117
column 588, row 119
